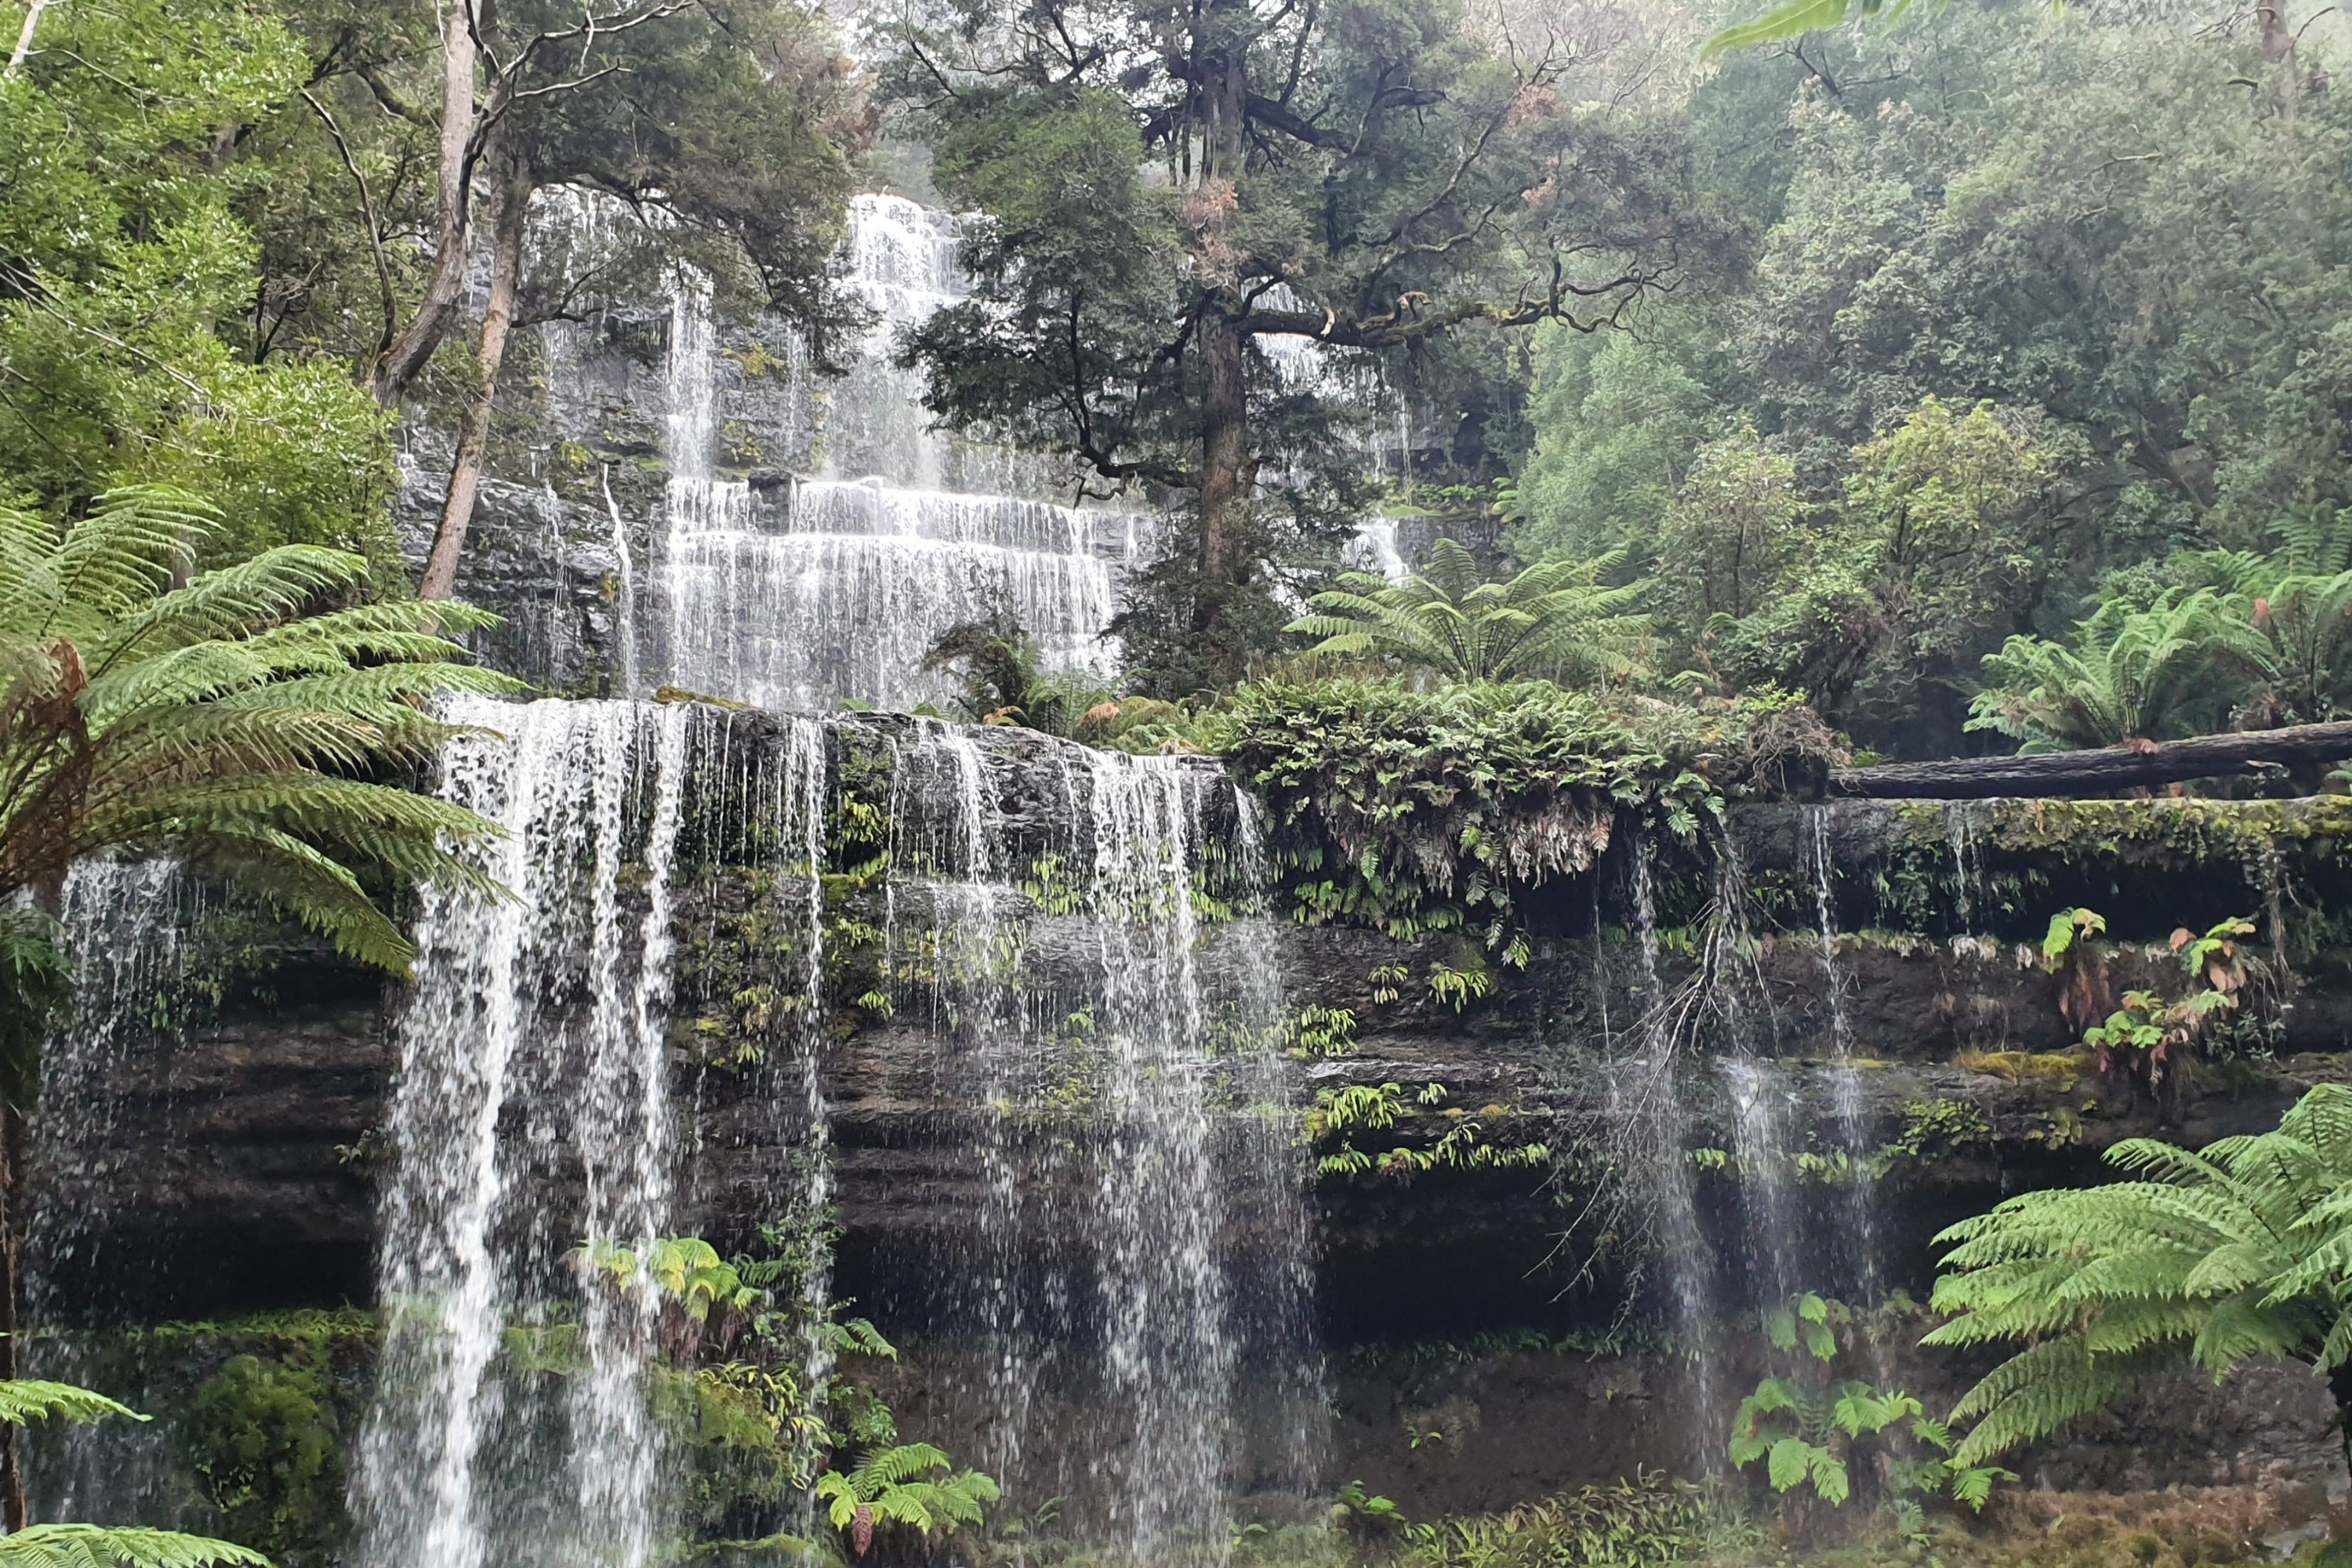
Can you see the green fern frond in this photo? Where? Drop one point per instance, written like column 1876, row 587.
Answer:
column 99, row 1546
column 31, row 1399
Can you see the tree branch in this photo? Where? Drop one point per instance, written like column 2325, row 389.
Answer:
column 2094, row 771
column 389, row 300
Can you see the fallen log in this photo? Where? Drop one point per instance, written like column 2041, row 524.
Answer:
column 2138, row 765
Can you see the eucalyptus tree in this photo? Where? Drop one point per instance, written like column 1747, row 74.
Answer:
column 1198, row 218
column 718, row 132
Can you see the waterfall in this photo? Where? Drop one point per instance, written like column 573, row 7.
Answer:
column 92, row 1147
column 126, row 924
column 1141, row 1230
column 1846, row 1078
column 532, row 1040
column 1967, row 865
column 832, row 584
column 1645, row 1106
column 1374, row 550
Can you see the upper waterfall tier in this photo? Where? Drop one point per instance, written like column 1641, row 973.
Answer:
column 833, row 583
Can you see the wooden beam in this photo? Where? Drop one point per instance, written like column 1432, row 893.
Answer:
column 2101, row 772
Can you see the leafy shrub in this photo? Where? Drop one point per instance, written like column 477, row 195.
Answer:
column 1645, row 1522
column 1413, row 811
column 268, row 1452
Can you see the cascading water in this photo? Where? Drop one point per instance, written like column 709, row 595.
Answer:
column 1651, row 1124
column 1846, row 1078
column 545, row 1010
column 1141, row 1231
column 126, row 928
column 125, row 923
column 833, row 583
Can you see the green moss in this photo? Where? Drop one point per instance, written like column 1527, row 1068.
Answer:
column 2176, row 833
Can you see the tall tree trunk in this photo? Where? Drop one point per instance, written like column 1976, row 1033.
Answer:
column 12, row 1213
column 2278, row 53
column 440, row 578
column 445, row 287
column 1224, row 446
column 1225, row 357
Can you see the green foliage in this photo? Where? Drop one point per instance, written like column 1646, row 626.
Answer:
column 1415, row 810
column 268, row 1451
column 223, row 720
column 912, row 1485
column 2237, row 1253
column 1149, row 274
column 1647, row 1521
column 1340, row 1117
column 99, row 1546
column 1827, row 1436
column 93, row 1545
column 1554, row 620
column 2127, row 675
column 1000, row 668
column 130, row 345
column 30, row 1399
column 1316, row 1031
column 36, row 984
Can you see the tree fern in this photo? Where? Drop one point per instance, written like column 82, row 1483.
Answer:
column 911, row 1484
column 2126, row 674
column 31, row 1399
column 2240, row 1252
column 240, row 719
column 1554, row 620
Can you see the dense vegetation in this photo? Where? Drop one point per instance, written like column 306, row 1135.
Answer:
column 1974, row 380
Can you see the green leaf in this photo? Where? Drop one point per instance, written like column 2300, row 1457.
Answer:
column 30, row 1399
column 99, row 1546
column 1791, row 1460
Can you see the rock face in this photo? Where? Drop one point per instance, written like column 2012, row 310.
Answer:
column 1462, row 1293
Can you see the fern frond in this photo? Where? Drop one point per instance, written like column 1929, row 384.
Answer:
column 31, row 1399
column 99, row 1546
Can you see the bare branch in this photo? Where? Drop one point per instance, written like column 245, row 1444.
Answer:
column 385, row 296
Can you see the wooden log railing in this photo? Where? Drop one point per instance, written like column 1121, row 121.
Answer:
column 2135, row 765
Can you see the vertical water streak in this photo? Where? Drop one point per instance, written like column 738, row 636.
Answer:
column 1846, row 1078
column 1650, row 1109
column 625, row 594
column 627, row 1147
column 1163, row 1294
column 125, row 926
column 535, row 1007
column 1967, row 869
column 1280, row 1361
column 802, row 798
column 127, row 930
column 1762, row 1110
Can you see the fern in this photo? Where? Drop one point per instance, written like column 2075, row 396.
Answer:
column 30, row 1399
column 2126, row 674
column 913, row 1484
column 2240, row 1253
column 99, row 1546
column 24, row 1400
column 1554, row 620
column 237, row 720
